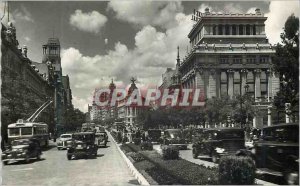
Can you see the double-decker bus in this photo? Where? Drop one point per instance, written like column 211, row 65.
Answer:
column 23, row 130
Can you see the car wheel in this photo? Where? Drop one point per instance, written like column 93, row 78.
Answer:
column 73, row 157
column 27, row 159
column 69, row 157
column 5, row 162
column 195, row 153
column 215, row 157
column 58, row 148
column 292, row 177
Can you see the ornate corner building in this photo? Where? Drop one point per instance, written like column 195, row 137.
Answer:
column 228, row 52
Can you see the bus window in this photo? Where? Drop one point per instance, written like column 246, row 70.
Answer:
column 14, row 132
column 26, row 131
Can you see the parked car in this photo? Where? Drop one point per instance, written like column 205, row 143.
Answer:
column 101, row 139
column 154, row 135
column 22, row 150
column 277, row 152
column 174, row 137
column 83, row 145
column 216, row 142
column 64, row 141
column 197, row 134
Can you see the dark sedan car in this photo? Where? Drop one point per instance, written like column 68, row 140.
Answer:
column 174, row 137
column 22, row 150
column 277, row 152
column 216, row 142
column 83, row 145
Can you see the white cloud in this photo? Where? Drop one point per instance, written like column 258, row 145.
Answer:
column 144, row 13
column 20, row 14
column 88, row 22
column 279, row 12
column 154, row 51
column 27, row 38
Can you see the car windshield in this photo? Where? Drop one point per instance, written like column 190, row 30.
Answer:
column 154, row 133
column 239, row 134
column 26, row 131
column 175, row 133
column 14, row 132
column 100, row 135
column 83, row 137
column 66, row 136
column 20, row 142
column 289, row 133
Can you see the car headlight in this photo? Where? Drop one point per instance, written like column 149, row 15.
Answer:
column 253, row 151
column 219, row 150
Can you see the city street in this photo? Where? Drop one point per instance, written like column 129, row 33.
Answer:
column 54, row 169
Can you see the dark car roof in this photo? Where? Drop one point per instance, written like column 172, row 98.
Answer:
column 224, row 129
column 281, row 125
column 83, row 133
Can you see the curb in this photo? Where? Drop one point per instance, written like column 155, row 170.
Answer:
column 141, row 179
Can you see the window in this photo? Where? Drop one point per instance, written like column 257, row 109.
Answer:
column 223, row 84
column 14, row 132
column 224, row 60
column 263, row 84
column 233, row 29
column 250, row 82
column 247, row 29
column 220, row 29
column 237, row 60
column 251, row 59
column 237, row 83
column 241, row 30
column 214, row 30
column 227, row 30
column 254, row 30
column 26, row 131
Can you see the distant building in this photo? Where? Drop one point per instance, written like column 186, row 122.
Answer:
column 67, row 91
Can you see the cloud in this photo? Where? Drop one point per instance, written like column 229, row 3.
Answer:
column 278, row 14
column 153, row 52
column 89, row 22
column 144, row 13
column 20, row 14
column 27, row 38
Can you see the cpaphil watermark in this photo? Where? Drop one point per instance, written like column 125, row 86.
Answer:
column 165, row 97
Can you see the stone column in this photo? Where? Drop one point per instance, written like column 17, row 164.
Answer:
column 230, row 73
column 269, row 79
column 251, row 30
column 199, row 81
column 212, row 84
column 243, row 74
column 244, row 29
column 223, row 28
column 275, row 83
column 257, row 90
column 230, row 29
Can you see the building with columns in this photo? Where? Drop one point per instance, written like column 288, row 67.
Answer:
column 227, row 52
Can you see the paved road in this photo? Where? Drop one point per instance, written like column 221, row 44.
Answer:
column 108, row 169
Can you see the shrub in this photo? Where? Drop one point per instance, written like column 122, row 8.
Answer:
column 137, row 141
column 145, row 145
column 137, row 157
column 126, row 149
column 236, row 170
column 170, row 152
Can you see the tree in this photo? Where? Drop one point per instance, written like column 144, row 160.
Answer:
column 286, row 64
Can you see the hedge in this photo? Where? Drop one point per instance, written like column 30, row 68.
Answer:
column 170, row 152
column 236, row 170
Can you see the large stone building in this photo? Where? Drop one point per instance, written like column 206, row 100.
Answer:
column 228, row 52
column 24, row 88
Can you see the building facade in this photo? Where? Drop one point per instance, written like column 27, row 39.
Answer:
column 24, row 88
column 230, row 55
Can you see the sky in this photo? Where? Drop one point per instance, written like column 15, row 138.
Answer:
column 117, row 40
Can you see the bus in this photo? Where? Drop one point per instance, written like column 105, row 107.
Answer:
column 88, row 127
column 23, row 130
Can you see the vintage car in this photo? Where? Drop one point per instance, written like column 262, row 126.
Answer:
column 83, row 145
column 154, row 135
column 64, row 141
column 101, row 139
column 22, row 150
column 277, row 152
column 216, row 142
column 174, row 137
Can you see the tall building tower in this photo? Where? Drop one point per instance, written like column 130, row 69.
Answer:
column 230, row 55
column 51, row 57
